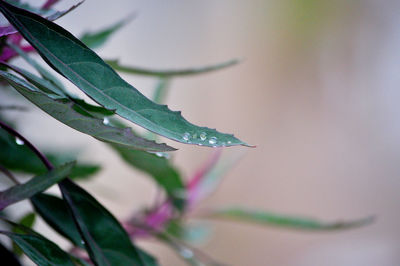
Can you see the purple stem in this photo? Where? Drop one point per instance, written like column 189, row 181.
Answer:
column 49, row 4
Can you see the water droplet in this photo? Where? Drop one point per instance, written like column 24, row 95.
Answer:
column 186, row 136
column 203, row 136
column 186, row 253
column 82, row 242
column 106, row 121
column 162, row 155
column 19, row 141
column 229, row 142
column 212, row 140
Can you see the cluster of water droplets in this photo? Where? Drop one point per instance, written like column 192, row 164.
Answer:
column 213, row 141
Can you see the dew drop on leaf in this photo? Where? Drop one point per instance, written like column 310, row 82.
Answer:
column 186, row 253
column 106, row 121
column 213, row 140
column 19, row 141
column 203, row 136
column 186, row 136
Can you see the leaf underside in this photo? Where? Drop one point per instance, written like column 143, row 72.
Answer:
column 71, row 114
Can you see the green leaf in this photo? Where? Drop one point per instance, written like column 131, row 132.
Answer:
column 170, row 73
column 7, row 256
column 267, row 218
column 92, row 75
column 40, row 250
column 42, row 84
column 41, row 70
column 20, row 158
column 27, row 221
column 97, row 39
column 159, row 169
column 189, row 254
column 33, row 186
column 53, row 210
column 105, row 240
column 71, row 114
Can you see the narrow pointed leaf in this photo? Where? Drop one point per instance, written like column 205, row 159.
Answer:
column 7, row 256
column 33, row 186
column 71, row 58
column 169, row 73
column 273, row 219
column 97, row 39
column 105, row 240
column 40, row 250
column 159, row 169
column 53, row 209
column 71, row 114
column 44, row 85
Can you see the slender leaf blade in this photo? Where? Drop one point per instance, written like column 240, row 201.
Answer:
column 53, row 209
column 71, row 58
column 40, row 250
column 105, row 240
column 33, row 186
column 273, row 219
column 97, row 39
column 69, row 113
column 116, row 65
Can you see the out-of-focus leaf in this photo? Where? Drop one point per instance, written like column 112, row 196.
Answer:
column 20, row 158
column 50, row 15
column 189, row 254
column 33, row 186
column 92, row 75
column 40, row 250
column 8, row 257
column 71, row 114
column 170, row 73
column 28, row 221
column 97, row 39
column 267, row 218
column 161, row 90
column 159, row 169
column 195, row 233
column 105, row 240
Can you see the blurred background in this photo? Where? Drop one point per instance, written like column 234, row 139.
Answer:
column 317, row 92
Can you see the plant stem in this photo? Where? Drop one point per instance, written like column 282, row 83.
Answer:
column 8, row 174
